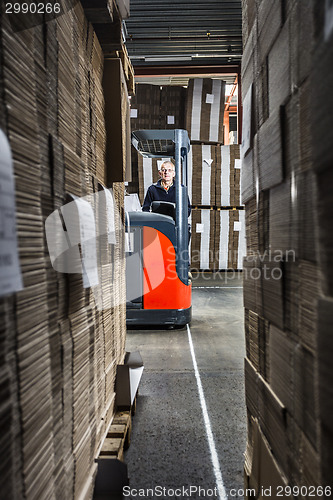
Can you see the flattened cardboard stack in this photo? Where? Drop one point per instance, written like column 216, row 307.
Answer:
column 214, row 175
column 217, row 239
column 228, row 176
column 59, row 351
column 322, row 160
column 213, row 170
column 205, row 110
column 172, row 112
column 117, row 122
column 202, row 173
column 202, row 239
column 288, row 366
column 214, row 180
column 156, row 107
column 145, row 107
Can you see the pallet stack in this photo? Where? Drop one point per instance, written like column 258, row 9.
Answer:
column 287, row 295
column 153, row 107
column 157, row 107
column 59, row 350
column 214, row 185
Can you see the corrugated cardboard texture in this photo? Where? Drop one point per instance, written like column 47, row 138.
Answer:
column 229, row 239
column 202, row 166
column 279, row 87
column 172, row 111
column 228, row 176
column 262, row 472
column 325, row 353
column 270, row 151
column 53, row 337
column 289, row 241
column 205, row 109
column 117, row 122
column 202, row 239
column 155, row 107
column 145, row 107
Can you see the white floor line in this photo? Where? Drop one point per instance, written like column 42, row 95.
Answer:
column 215, row 461
column 193, row 286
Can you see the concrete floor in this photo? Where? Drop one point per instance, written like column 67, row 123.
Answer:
column 169, row 445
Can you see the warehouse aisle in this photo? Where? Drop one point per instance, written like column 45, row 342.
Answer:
column 170, row 448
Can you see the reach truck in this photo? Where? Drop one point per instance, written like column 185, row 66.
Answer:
column 157, row 260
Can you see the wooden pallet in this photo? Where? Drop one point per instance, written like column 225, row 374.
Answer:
column 118, row 437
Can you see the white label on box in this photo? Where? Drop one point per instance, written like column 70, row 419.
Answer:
column 199, row 228
column 238, row 163
column 247, row 112
column 134, row 113
column 171, row 120
column 209, row 98
column 10, row 273
column 111, row 216
column 328, row 18
column 237, row 226
column 88, row 243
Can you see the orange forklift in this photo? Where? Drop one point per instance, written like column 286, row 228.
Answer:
column 157, row 259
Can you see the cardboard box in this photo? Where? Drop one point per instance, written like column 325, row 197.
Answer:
column 202, row 239
column 128, row 379
column 230, row 247
column 202, row 174
column 279, row 87
column 117, row 123
column 270, row 151
column 145, row 107
column 262, row 472
column 205, row 110
column 228, row 176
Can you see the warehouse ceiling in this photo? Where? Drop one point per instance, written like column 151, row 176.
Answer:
column 187, row 35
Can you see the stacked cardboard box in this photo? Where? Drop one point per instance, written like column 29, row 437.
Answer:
column 172, row 112
column 213, row 170
column 202, row 239
column 59, row 348
column 202, row 174
column 214, row 176
column 145, row 107
column 285, row 181
column 320, row 114
column 205, row 110
column 227, row 177
column 218, row 239
column 156, row 107
column 117, row 122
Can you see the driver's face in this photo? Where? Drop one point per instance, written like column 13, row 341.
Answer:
column 167, row 172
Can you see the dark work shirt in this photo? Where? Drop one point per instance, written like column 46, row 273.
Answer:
column 156, row 192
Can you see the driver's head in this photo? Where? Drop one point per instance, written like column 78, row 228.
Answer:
column 167, row 171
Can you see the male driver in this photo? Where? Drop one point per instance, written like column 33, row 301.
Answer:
column 164, row 189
